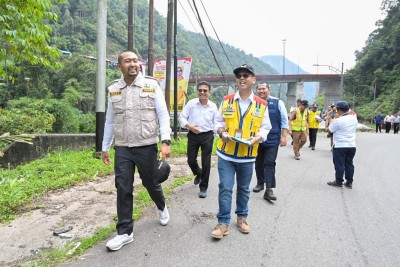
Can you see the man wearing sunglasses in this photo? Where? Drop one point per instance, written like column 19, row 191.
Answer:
column 241, row 116
column 198, row 117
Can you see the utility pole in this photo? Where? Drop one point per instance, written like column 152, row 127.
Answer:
column 101, row 73
column 170, row 20
column 150, row 57
column 175, row 72
column 130, row 26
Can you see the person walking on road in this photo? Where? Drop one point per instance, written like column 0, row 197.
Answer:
column 378, row 122
column 396, row 123
column 314, row 120
column 136, row 116
column 268, row 150
column 198, row 117
column 388, row 122
column 242, row 116
column 344, row 145
column 298, row 127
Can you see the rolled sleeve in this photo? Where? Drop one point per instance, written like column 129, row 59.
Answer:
column 108, row 136
column 284, row 115
column 265, row 126
column 162, row 114
column 219, row 120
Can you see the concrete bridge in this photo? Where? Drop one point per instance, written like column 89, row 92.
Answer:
column 328, row 84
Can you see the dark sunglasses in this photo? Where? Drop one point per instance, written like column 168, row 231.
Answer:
column 202, row 90
column 245, row 75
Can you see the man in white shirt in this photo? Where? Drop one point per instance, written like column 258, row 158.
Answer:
column 136, row 115
column 344, row 145
column 198, row 117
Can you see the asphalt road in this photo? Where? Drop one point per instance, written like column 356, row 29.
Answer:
column 311, row 223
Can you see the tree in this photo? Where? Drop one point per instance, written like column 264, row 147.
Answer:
column 25, row 35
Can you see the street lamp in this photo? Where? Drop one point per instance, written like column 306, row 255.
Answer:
column 339, row 72
column 283, row 66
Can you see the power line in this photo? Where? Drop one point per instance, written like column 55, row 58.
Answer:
column 188, row 16
column 209, row 44
column 219, row 41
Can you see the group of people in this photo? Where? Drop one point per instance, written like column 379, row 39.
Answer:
column 388, row 121
column 250, row 128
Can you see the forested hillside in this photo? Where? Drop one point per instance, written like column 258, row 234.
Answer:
column 76, row 32
column 45, row 100
column 373, row 85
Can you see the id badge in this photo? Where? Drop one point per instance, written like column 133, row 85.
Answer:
column 238, row 133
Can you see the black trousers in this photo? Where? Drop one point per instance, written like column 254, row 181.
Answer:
column 205, row 142
column 126, row 159
column 313, row 136
column 378, row 126
column 265, row 165
column 396, row 127
column 388, row 125
column 343, row 161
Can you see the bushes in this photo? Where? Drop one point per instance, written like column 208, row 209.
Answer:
column 27, row 115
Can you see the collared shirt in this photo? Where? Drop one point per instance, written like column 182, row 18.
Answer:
column 161, row 110
column 264, row 128
column 344, row 131
column 202, row 116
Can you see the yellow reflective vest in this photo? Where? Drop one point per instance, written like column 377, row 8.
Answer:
column 249, row 124
column 300, row 123
column 312, row 122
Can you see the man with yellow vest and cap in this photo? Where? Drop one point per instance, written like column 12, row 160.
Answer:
column 314, row 120
column 298, row 127
column 242, row 122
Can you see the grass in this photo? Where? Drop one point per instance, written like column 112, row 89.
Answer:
column 54, row 257
column 63, row 169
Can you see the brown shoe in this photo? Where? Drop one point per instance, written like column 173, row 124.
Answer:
column 220, row 231
column 243, row 225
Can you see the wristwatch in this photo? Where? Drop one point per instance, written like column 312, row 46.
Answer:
column 167, row 142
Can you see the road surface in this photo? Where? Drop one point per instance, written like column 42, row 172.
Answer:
column 310, row 224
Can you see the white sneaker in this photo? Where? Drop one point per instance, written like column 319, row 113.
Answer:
column 164, row 216
column 120, row 240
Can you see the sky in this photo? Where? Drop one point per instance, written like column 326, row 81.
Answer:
column 323, row 32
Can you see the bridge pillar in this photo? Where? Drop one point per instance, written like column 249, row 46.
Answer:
column 331, row 91
column 295, row 91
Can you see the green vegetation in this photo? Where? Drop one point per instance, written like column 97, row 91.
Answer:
column 19, row 186
column 63, row 169
column 373, row 85
column 25, row 35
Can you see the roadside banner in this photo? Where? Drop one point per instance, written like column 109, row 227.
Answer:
column 183, row 73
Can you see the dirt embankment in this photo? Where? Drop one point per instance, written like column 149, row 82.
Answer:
column 84, row 208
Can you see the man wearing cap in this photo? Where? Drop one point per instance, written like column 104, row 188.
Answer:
column 314, row 119
column 344, row 145
column 268, row 150
column 242, row 116
column 198, row 117
column 298, row 127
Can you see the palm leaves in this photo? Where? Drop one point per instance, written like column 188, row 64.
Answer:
column 6, row 139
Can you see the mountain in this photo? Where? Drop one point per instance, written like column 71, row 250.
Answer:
column 291, row 68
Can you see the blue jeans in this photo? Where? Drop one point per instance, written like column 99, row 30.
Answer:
column 227, row 170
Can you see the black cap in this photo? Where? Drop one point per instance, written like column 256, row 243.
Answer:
column 162, row 171
column 342, row 105
column 304, row 103
column 244, row 67
column 314, row 105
